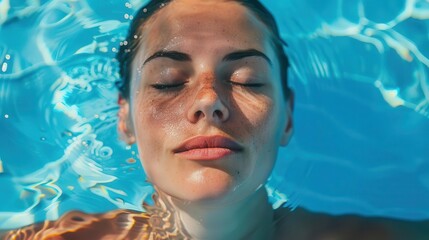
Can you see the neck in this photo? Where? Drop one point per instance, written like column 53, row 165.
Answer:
column 249, row 218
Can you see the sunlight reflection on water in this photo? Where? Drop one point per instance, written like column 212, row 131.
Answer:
column 359, row 70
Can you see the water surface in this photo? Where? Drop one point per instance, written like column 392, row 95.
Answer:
column 360, row 75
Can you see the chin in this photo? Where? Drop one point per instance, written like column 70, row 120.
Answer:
column 209, row 185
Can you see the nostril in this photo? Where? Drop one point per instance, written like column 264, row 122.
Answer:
column 198, row 114
column 218, row 113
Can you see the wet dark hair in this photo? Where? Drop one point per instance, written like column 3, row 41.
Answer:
column 128, row 48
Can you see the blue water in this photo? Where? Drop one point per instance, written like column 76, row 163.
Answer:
column 360, row 75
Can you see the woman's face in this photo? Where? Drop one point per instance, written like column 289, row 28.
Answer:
column 207, row 109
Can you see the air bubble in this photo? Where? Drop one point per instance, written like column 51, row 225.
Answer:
column 106, row 152
column 67, row 133
column 4, row 67
column 128, row 5
column 126, row 16
column 125, row 43
column 145, row 10
column 84, row 143
column 42, row 139
column 114, row 50
column 7, row 57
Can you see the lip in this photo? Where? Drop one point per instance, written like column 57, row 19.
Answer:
column 207, row 148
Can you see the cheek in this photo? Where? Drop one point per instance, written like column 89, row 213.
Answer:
column 261, row 121
column 253, row 111
column 155, row 116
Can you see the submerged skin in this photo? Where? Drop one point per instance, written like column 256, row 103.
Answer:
column 206, row 94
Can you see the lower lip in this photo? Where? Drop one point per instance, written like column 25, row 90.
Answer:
column 206, row 154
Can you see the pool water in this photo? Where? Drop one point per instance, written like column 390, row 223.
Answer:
column 359, row 72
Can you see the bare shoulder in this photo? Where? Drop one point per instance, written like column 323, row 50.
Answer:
column 302, row 224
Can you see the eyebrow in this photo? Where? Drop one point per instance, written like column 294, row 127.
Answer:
column 177, row 56
column 237, row 55
column 183, row 57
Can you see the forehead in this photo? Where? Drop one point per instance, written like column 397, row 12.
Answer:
column 223, row 22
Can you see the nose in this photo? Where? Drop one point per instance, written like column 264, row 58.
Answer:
column 208, row 105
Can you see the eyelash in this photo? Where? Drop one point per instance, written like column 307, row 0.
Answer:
column 166, row 86
column 172, row 86
column 250, row 85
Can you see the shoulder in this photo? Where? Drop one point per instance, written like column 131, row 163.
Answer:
column 117, row 224
column 302, row 224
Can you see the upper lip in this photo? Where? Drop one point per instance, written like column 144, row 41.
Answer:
column 208, row 142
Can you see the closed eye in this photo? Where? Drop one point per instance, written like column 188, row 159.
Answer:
column 160, row 86
column 251, row 85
